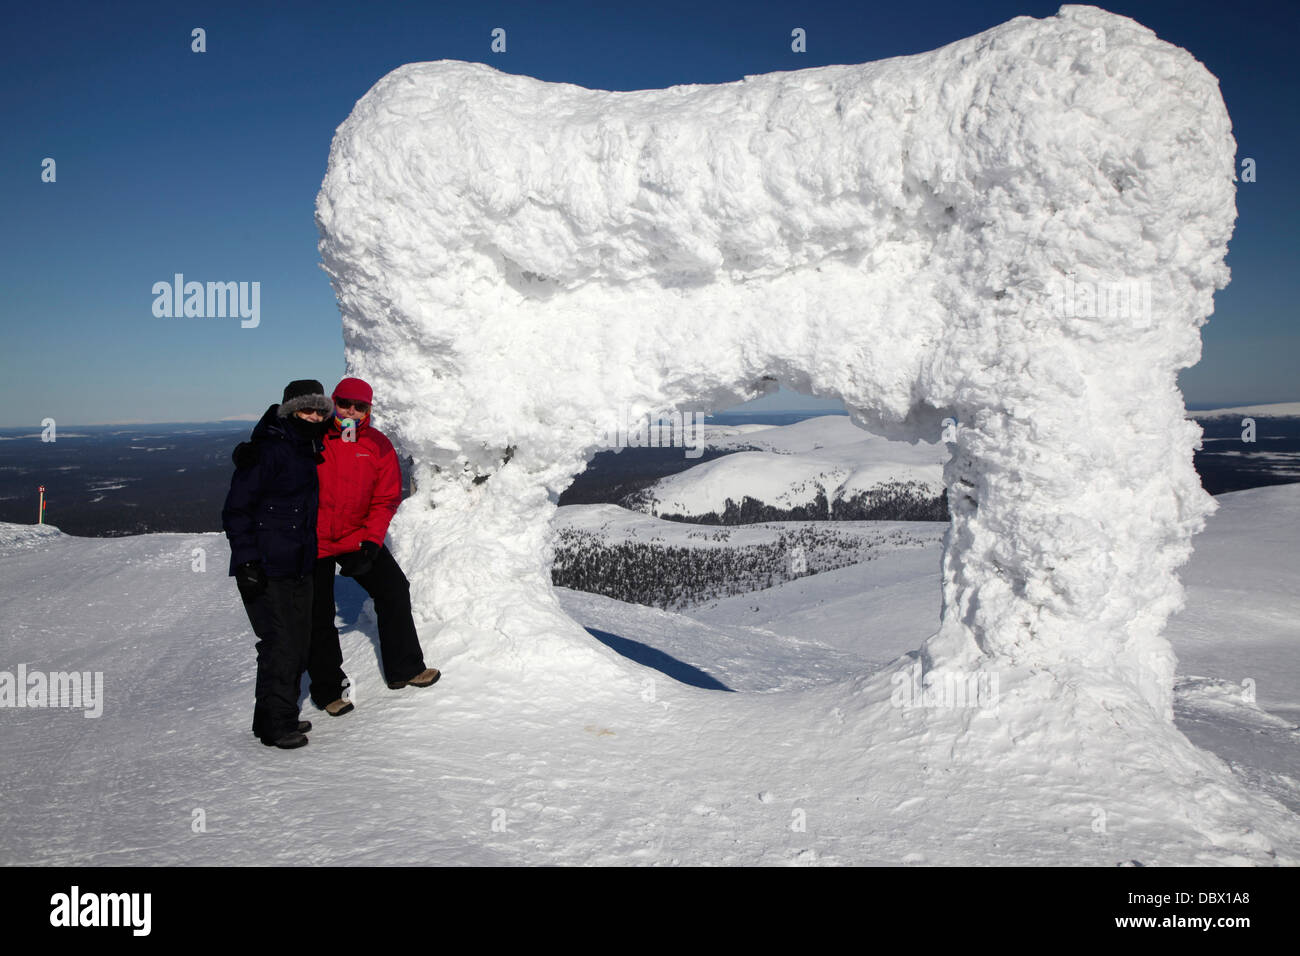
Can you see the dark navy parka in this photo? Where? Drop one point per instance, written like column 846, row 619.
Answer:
column 270, row 513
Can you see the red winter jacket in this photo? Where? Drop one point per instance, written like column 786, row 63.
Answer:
column 360, row 489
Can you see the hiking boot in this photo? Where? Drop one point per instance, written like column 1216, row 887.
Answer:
column 338, row 708
column 425, row 678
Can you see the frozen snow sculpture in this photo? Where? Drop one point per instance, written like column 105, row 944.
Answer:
column 1022, row 230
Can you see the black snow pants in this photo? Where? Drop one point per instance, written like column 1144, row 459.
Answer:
column 281, row 619
column 399, row 645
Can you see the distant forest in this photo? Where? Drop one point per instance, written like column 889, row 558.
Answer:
column 674, row 576
column 894, row 501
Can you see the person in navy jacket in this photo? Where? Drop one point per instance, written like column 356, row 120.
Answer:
column 270, row 520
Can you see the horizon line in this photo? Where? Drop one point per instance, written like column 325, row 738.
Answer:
column 244, row 419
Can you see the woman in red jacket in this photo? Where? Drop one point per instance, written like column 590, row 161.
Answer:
column 360, row 489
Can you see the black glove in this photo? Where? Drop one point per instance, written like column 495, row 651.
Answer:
column 356, row 563
column 244, row 455
column 251, row 578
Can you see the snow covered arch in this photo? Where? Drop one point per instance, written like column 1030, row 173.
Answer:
column 941, row 234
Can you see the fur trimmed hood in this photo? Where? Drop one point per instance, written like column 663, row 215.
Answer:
column 304, row 403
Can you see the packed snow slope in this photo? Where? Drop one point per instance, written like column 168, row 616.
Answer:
column 802, row 759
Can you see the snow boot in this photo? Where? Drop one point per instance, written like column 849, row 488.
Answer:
column 289, row 741
column 303, row 727
column 338, row 707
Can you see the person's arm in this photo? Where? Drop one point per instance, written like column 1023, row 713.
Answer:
column 383, row 501
column 238, row 517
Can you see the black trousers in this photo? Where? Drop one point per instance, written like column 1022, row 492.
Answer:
column 399, row 645
column 281, row 619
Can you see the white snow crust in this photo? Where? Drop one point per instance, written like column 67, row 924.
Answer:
column 517, row 261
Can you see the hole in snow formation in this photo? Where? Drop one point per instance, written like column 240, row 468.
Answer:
column 650, row 521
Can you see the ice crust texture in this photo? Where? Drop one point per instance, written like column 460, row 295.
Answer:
column 516, row 261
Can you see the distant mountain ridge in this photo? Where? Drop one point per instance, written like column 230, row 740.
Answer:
column 1274, row 410
column 818, row 469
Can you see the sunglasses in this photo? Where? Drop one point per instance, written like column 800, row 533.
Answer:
column 362, row 407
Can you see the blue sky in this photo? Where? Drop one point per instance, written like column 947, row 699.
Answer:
column 169, row 161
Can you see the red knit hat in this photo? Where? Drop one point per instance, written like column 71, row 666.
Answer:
column 354, row 389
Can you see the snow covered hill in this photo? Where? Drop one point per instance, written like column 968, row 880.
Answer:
column 826, row 460
column 750, row 731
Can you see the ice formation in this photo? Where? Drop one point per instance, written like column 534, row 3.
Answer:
column 1022, row 231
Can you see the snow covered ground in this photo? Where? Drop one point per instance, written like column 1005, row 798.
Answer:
column 753, row 731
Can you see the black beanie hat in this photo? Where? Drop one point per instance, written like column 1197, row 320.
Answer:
column 305, row 394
